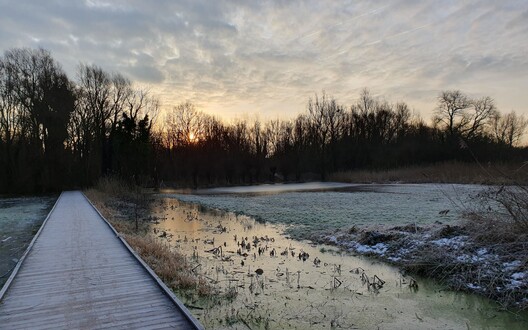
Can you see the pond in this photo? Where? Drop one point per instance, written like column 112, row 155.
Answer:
column 308, row 212
column 280, row 282
column 20, row 219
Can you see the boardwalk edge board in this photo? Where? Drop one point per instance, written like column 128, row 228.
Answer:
column 158, row 281
column 7, row 284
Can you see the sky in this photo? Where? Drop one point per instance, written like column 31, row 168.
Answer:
column 265, row 59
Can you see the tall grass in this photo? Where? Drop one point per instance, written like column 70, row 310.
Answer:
column 445, row 172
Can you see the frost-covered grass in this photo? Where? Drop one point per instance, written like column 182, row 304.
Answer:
column 313, row 212
column 19, row 220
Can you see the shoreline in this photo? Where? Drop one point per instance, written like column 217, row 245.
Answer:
column 482, row 252
column 451, row 254
column 446, row 253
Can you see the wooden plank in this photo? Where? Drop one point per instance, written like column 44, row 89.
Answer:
column 31, row 320
column 78, row 273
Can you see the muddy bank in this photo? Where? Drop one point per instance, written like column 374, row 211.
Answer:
column 454, row 254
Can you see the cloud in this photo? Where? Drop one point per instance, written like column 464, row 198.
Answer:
column 268, row 57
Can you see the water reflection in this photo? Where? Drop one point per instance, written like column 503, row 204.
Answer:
column 283, row 283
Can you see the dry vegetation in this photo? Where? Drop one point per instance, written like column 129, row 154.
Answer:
column 446, row 172
column 472, row 257
column 124, row 206
column 484, row 253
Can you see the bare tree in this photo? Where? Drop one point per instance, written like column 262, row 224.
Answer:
column 401, row 119
column 451, row 111
column 96, row 91
column 184, row 124
column 325, row 117
column 366, row 102
column 483, row 110
column 36, row 102
column 508, row 129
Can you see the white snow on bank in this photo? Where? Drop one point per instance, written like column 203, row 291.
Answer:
column 454, row 242
column 518, row 276
column 482, row 255
column 277, row 188
column 473, row 286
column 464, row 258
column 379, row 248
column 509, row 266
column 515, row 284
column 332, row 239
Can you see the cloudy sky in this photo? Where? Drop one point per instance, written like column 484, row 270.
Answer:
column 246, row 58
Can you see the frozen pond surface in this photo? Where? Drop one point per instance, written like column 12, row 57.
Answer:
column 310, row 212
column 20, row 219
column 330, row 289
column 277, row 188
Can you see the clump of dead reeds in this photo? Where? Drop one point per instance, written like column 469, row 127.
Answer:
column 170, row 266
column 114, row 186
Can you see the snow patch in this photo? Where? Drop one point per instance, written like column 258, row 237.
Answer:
column 379, row 248
column 454, row 242
column 515, row 284
column 509, row 266
column 332, row 239
column 518, row 276
column 473, row 286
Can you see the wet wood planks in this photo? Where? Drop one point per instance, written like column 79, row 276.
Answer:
column 78, row 275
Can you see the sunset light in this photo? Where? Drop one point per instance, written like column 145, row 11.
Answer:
column 278, row 164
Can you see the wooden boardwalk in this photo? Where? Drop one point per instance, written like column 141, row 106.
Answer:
column 78, row 275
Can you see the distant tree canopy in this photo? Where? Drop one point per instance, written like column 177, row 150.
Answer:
column 198, row 149
column 56, row 133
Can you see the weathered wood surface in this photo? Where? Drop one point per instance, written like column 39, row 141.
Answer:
column 79, row 275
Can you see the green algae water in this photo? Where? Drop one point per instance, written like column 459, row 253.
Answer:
column 276, row 287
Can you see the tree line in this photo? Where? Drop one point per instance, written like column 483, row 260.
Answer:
column 57, row 133
column 198, row 149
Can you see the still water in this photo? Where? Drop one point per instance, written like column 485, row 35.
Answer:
column 313, row 211
column 280, row 282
